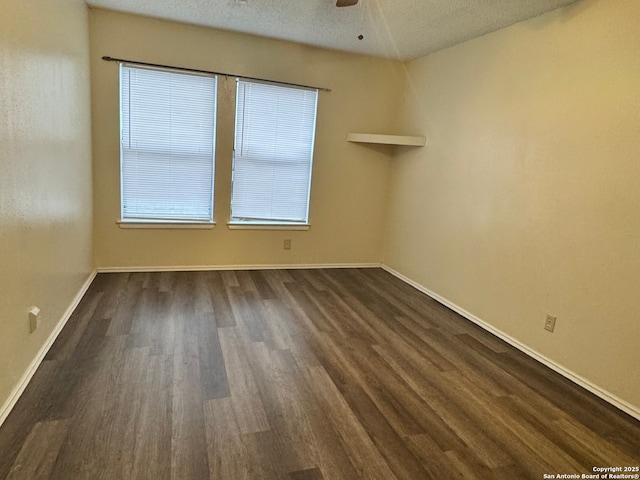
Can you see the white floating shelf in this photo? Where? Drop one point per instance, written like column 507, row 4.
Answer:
column 386, row 139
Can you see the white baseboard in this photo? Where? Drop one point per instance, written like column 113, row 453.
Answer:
column 565, row 372
column 198, row 268
column 35, row 363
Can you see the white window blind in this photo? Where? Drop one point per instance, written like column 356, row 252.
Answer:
column 275, row 131
column 167, row 145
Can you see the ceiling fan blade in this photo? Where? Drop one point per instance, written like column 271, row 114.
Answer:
column 346, row 3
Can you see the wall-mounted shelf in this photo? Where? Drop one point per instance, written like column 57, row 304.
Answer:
column 386, row 139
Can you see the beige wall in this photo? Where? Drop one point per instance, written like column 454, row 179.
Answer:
column 526, row 198
column 349, row 184
column 45, row 172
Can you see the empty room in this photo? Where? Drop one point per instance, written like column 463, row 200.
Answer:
column 319, row 239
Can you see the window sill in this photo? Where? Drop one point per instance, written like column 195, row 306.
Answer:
column 166, row 225
column 267, row 226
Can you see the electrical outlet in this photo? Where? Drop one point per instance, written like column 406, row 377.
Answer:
column 550, row 323
column 34, row 319
column 287, row 244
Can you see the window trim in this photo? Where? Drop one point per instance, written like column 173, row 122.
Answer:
column 265, row 225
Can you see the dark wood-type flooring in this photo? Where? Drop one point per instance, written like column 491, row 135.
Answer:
column 298, row 375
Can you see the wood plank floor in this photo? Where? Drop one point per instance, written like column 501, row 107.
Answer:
column 298, row 375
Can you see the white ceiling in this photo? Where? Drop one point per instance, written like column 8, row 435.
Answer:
column 401, row 29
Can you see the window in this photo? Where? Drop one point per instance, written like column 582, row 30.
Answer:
column 167, row 145
column 273, row 152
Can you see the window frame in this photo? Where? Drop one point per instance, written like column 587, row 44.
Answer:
column 273, row 224
column 167, row 222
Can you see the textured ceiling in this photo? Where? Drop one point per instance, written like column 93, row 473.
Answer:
column 401, row 29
